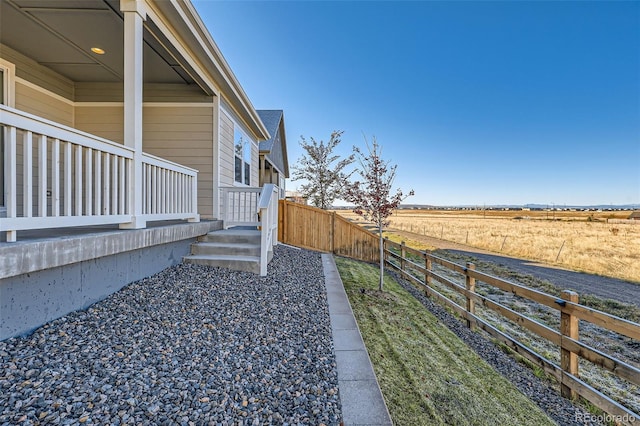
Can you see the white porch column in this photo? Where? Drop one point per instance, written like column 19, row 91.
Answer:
column 134, row 14
column 216, row 157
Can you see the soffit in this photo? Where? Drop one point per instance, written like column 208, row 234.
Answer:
column 59, row 34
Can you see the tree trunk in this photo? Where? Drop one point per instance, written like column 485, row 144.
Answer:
column 381, row 256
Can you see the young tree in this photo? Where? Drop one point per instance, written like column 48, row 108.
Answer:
column 372, row 197
column 322, row 171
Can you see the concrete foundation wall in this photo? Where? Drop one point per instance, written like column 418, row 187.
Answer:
column 31, row 299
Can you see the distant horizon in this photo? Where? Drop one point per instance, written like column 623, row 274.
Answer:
column 528, row 205
column 476, row 102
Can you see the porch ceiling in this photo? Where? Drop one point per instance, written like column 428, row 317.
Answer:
column 59, row 34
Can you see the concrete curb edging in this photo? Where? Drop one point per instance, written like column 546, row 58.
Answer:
column 360, row 395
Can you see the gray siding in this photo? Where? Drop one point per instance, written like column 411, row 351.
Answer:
column 114, row 92
column 255, row 164
column 227, row 168
column 39, row 103
column 184, row 135
column 103, row 121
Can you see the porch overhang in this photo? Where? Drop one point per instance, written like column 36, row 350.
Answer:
column 178, row 49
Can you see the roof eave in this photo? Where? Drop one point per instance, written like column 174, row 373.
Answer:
column 185, row 19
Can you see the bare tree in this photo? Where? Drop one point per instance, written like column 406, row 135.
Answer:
column 322, row 170
column 372, row 197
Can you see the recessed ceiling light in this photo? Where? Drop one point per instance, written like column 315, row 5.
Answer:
column 97, row 51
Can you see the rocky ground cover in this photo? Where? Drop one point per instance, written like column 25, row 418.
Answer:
column 190, row 345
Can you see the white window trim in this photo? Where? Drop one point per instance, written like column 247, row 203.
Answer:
column 251, row 144
column 9, row 82
column 254, row 144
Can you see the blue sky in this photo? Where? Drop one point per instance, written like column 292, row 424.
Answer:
column 476, row 102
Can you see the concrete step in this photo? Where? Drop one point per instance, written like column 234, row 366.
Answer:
column 237, row 263
column 229, row 249
column 240, row 236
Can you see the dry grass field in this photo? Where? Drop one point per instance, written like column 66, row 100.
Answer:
column 576, row 240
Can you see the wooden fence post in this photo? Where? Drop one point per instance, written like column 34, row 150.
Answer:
column 332, row 232
column 470, row 283
column 569, row 327
column 282, row 226
column 403, row 255
column 427, row 277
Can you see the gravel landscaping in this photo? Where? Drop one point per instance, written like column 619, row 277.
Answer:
column 190, row 345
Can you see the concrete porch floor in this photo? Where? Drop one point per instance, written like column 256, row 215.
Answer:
column 32, row 235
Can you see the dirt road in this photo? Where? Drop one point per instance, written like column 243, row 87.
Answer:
column 582, row 283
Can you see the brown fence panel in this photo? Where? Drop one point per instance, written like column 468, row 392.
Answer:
column 304, row 226
column 353, row 241
column 316, row 229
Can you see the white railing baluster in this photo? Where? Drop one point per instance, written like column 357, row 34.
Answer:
column 97, row 196
column 27, row 174
column 172, row 194
column 122, row 190
column 78, row 181
column 42, row 175
column 88, row 181
column 163, row 184
column 152, row 188
column 158, row 206
column 114, row 185
column 146, row 191
column 167, row 196
column 55, row 178
column 68, row 194
column 180, row 193
column 11, row 178
column 106, row 188
column 232, row 216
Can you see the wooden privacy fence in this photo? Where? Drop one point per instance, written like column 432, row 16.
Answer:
column 317, row 229
column 404, row 259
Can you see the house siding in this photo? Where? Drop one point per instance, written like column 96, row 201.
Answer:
column 103, row 121
column 184, row 135
column 114, row 92
column 37, row 102
column 227, row 164
column 255, row 165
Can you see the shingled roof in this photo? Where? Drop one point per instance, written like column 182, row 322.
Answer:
column 276, row 153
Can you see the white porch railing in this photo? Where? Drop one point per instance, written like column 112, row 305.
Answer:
column 56, row 176
column 268, row 211
column 240, row 206
column 169, row 190
column 246, row 206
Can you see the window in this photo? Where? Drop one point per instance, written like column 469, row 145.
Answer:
column 7, row 93
column 282, row 187
column 242, row 150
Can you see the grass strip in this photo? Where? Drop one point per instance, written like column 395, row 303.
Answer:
column 428, row 376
